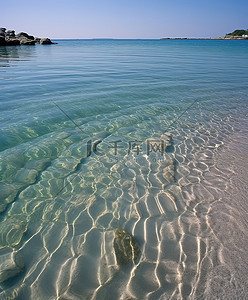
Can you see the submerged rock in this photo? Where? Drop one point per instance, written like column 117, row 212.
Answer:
column 7, row 195
column 126, row 248
column 11, row 265
column 12, row 229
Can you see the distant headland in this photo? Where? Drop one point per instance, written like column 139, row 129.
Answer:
column 238, row 34
column 9, row 38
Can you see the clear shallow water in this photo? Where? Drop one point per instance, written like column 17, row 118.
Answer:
column 60, row 206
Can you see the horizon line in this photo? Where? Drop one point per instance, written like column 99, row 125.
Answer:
column 107, row 38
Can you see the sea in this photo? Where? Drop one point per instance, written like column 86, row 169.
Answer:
column 144, row 137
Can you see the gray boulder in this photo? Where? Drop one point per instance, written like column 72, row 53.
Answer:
column 2, row 32
column 37, row 40
column 46, row 41
column 25, row 41
column 2, row 41
column 24, row 35
column 11, row 41
column 10, row 33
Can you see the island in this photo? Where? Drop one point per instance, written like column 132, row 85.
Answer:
column 9, row 38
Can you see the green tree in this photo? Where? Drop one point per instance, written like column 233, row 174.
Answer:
column 239, row 32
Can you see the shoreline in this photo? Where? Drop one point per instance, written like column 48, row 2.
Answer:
column 217, row 38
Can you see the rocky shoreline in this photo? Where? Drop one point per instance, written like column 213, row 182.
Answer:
column 10, row 38
column 230, row 38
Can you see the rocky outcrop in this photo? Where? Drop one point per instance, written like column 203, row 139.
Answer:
column 45, row 41
column 25, row 35
column 2, row 41
column 10, row 38
column 37, row 40
column 11, row 41
column 25, row 41
column 2, row 36
column 10, row 33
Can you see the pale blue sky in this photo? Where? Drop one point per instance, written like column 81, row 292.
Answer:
column 125, row 18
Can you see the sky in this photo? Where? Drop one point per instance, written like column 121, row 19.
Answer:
column 124, row 18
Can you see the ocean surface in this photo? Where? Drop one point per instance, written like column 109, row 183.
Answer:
column 148, row 136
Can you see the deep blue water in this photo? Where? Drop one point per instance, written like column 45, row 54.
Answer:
column 60, row 205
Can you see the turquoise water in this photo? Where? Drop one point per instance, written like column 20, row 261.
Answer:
column 61, row 202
